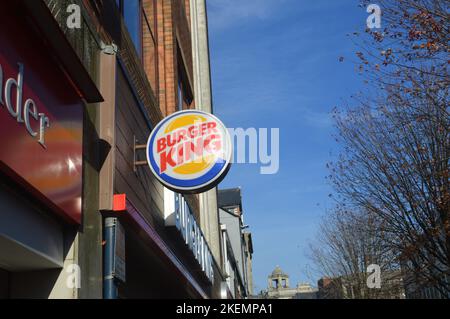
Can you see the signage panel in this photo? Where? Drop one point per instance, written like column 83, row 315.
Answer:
column 190, row 232
column 41, row 120
column 189, row 151
column 119, row 252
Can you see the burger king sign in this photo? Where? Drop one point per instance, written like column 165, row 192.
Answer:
column 189, row 151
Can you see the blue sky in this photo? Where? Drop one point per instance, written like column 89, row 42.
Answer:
column 275, row 63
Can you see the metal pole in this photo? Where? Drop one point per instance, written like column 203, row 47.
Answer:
column 109, row 283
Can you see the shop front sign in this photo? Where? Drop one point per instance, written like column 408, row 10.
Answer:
column 189, row 151
column 41, row 121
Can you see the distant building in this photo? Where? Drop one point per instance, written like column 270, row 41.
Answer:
column 237, row 245
column 279, row 287
column 355, row 287
column 417, row 288
column 234, row 279
column 329, row 288
column 417, row 285
column 248, row 255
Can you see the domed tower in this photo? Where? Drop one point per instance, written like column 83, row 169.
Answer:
column 278, row 280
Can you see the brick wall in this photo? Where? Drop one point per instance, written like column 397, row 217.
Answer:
column 174, row 40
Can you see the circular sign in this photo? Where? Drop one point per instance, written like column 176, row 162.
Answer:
column 189, row 151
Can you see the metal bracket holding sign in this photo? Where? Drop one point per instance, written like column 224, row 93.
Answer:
column 138, row 147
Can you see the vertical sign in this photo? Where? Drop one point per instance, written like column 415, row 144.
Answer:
column 119, row 253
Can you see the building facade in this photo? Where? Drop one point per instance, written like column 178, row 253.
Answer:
column 83, row 83
column 235, row 283
column 421, row 279
column 355, row 287
column 248, row 256
column 47, row 96
column 237, row 243
column 417, row 288
column 278, row 287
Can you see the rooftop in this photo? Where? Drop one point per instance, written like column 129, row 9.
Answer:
column 278, row 272
column 230, row 197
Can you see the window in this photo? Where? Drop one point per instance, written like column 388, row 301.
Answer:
column 185, row 97
column 149, row 44
column 275, row 283
column 284, row 284
column 131, row 11
column 180, row 96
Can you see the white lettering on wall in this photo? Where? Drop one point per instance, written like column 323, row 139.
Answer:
column 29, row 109
column 27, row 113
column 15, row 111
column 179, row 215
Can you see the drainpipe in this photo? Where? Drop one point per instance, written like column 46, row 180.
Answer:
column 109, row 282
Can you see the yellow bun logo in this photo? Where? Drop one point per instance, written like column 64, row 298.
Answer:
column 189, row 151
